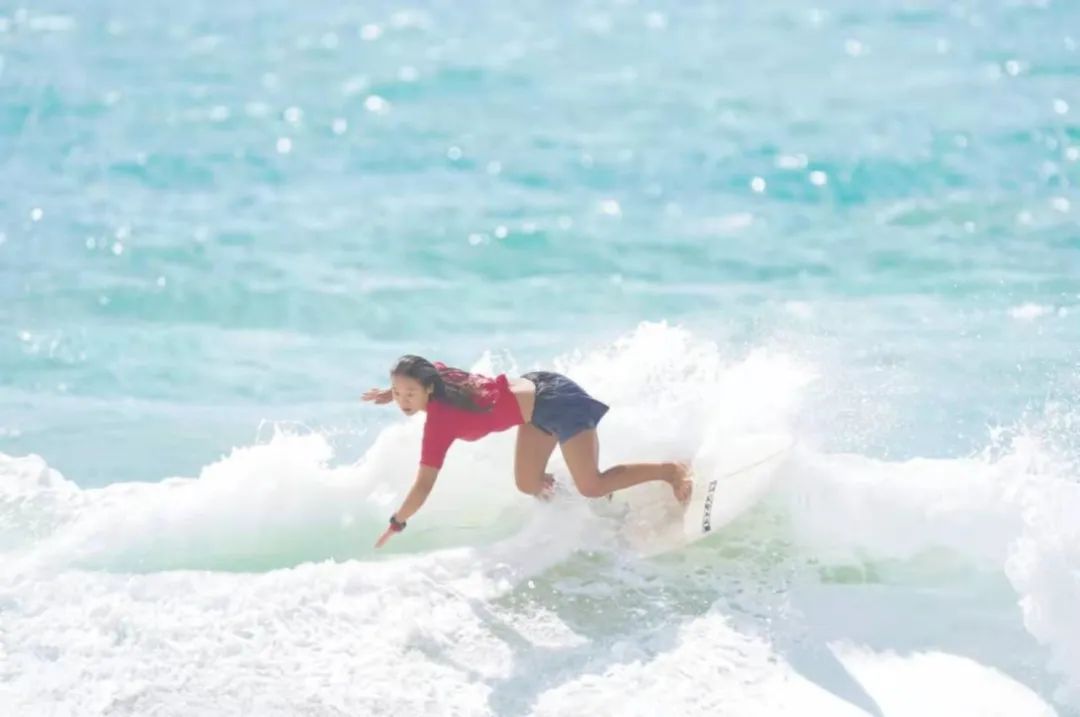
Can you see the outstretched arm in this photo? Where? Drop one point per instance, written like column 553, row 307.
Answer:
column 421, row 489
column 378, row 396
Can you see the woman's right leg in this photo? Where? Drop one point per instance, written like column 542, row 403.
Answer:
column 534, row 448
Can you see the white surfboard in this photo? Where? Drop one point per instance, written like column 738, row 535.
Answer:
column 728, row 480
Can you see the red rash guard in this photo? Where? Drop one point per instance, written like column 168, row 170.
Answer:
column 446, row 423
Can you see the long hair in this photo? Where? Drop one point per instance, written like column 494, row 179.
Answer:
column 449, row 385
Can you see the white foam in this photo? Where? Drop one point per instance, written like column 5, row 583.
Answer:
column 1014, row 514
column 493, row 603
column 1030, row 311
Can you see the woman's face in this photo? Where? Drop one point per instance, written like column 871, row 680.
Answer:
column 410, row 394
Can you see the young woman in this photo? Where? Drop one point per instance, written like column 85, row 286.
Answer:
column 547, row 408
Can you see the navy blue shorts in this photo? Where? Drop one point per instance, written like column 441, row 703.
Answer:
column 562, row 408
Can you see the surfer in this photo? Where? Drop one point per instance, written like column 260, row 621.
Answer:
column 546, row 407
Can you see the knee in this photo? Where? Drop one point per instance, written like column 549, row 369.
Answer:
column 592, row 487
column 526, row 483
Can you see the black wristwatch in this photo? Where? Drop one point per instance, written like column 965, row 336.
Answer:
column 396, row 525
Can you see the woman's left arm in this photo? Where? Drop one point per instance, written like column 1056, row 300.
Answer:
column 421, row 489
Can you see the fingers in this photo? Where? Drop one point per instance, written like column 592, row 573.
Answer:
column 384, row 537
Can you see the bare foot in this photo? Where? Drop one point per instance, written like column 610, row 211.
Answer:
column 682, row 483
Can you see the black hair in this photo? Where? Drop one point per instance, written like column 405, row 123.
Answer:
column 449, row 385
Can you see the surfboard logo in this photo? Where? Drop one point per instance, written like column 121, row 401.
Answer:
column 706, row 518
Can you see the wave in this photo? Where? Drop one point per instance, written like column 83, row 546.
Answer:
column 285, row 503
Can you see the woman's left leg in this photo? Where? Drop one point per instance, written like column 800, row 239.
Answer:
column 582, row 458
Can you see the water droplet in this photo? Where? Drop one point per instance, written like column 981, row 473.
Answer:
column 1061, row 204
column 36, row 214
column 853, row 47
column 656, row 20
column 340, row 126
column 942, row 46
column 1072, row 154
column 284, row 145
column 1024, row 217
column 161, row 281
column 91, row 243
column 219, row 113
column 257, row 109
column 24, row 336
column 819, row 178
column 1012, row 67
column 494, row 167
column 501, row 232
column 757, row 184
column 610, row 207
column 117, row 248
column 408, row 73
column 475, row 239
column 293, row 115
column 354, row 85
column 792, row 161
column 1061, row 106
column 969, row 227
column 376, row 104
column 453, row 154
column 370, row 32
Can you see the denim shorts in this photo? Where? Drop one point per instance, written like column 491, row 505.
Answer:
column 562, row 408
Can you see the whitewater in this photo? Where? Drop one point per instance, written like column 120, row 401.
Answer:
column 857, row 586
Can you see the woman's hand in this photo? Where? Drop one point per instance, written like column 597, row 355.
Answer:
column 385, row 536
column 421, row 488
column 396, row 526
column 378, row 396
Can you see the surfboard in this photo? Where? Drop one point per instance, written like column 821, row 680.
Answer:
column 728, row 480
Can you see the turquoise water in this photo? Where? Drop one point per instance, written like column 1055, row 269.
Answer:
column 532, row 180
column 219, row 220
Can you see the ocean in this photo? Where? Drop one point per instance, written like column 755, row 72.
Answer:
column 853, row 223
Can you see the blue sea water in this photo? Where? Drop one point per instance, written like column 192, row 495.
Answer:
column 221, row 222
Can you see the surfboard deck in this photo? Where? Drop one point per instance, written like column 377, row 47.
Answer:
column 728, row 481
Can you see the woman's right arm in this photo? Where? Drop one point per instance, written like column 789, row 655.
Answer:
column 421, row 489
